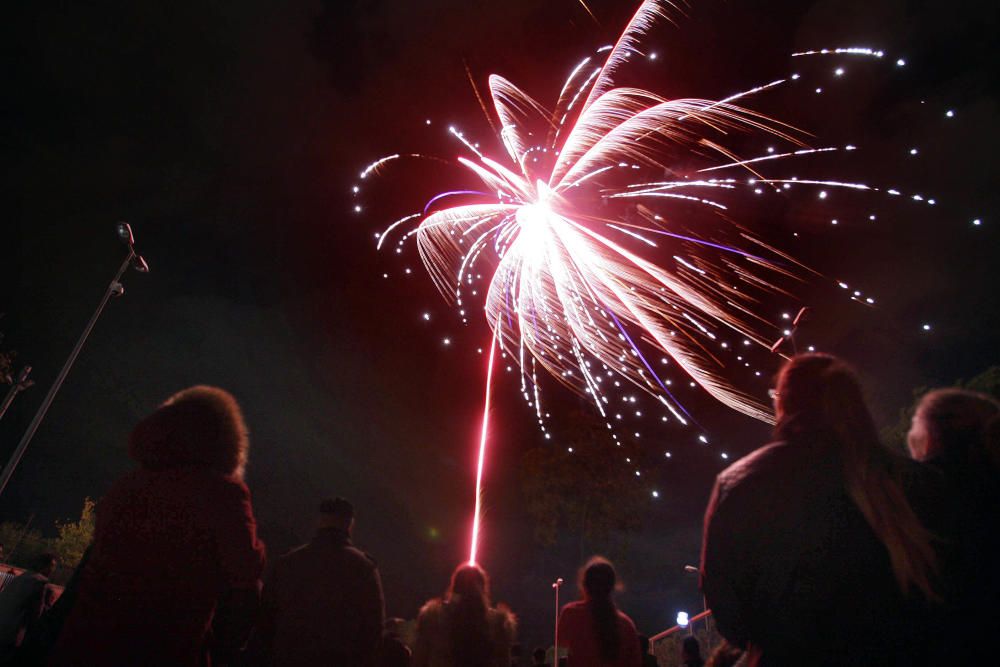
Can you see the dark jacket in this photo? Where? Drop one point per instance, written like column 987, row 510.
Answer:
column 791, row 568
column 322, row 605
column 168, row 546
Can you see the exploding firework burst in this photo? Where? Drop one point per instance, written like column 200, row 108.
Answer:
column 610, row 233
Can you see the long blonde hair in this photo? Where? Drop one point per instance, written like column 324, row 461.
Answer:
column 820, row 393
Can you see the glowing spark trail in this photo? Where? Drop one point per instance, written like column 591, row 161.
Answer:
column 573, row 283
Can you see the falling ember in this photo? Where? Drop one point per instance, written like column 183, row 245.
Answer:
column 583, row 273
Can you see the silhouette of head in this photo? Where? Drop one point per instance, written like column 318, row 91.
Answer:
column 199, row 426
column 954, row 424
column 690, row 648
column 598, row 578
column 336, row 513
column 469, row 581
column 538, row 656
column 819, row 390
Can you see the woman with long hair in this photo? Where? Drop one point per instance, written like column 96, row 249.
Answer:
column 813, row 552
column 175, row 565
column 462, row 628
column 593, row 630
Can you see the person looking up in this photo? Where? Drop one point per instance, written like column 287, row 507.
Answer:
column 322, row 602
column 463, row 629
column 593, row 630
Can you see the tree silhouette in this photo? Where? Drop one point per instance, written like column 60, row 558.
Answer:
column 590, row 492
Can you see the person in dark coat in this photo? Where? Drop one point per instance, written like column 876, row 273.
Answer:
column 22, row 602
column 957, row 432
column 323, row 601
column 174, row 571
column 813, row 553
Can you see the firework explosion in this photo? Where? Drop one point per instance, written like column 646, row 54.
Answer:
column 611, row 232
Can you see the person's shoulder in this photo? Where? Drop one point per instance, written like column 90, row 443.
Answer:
column 573, row 610
column 760, row 463
column 360, row 557
column 626, row 621
column 432, row 610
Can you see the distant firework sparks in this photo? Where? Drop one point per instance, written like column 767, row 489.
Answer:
column 608, row 242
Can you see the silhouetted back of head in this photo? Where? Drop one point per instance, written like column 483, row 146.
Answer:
column 468, row 598
column 336, row 513
column 199, row 426
column 957, row 425
column 691, row 648
column 597, row 581
column 820, row 393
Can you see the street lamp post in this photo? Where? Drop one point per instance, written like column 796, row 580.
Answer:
column 556, row 585
column 115, row 289
column 20, row 384
column 691, row 569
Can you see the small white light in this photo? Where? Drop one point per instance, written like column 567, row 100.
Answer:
column 977, row 222
column 724, row 455
column 652, row 56
column 839, row 71
column 819, row 90
column 357, row 209
column 656, row 494
column 913, row 151
column 682, row 619
column 427, row 316
column 926, row 327
column 900, row 62
column 447, row 341
column 949, row 113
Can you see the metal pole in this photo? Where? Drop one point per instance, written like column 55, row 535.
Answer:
column 555, row 644
column 113, row 288
column 20, row 384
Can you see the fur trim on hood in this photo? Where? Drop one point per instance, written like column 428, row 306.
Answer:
column 199, row 426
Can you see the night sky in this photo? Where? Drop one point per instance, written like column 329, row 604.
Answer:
column 229, row 135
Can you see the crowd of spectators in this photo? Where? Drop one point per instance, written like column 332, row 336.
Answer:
column 823, row 547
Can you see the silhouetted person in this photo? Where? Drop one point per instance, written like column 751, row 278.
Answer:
column 393, row 652
column 463, row 629
column 538, row 658
column 22, row 602
column 594, row 632
column 648, row 659
column 174, row 570
column 957, row 432
column 812, row 552
column 323, row 601
column 691, row 652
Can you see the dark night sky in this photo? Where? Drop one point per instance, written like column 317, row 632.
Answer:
column 228, row 134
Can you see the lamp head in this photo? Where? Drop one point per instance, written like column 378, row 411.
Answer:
column 139, row 264
column 125, row 234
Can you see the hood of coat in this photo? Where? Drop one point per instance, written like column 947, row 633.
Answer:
column 199, row 426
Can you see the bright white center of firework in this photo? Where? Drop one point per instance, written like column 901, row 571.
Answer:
column 533, row 219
